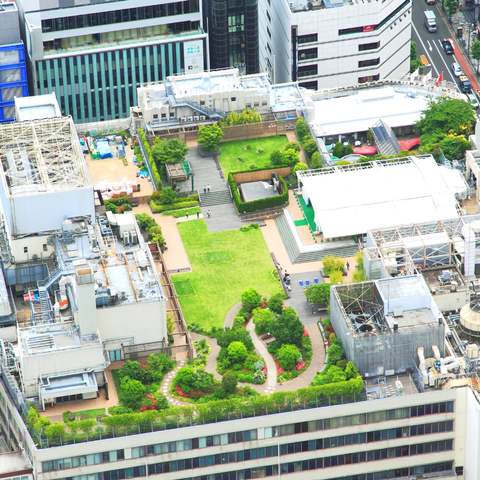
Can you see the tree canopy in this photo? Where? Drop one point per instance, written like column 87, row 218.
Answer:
column 444, row 116
column 288, row 328
column 209, row 136
column 169, row 151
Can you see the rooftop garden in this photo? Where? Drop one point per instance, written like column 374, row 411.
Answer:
column 224, row 264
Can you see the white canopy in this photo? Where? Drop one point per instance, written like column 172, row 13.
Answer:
column 353, row 200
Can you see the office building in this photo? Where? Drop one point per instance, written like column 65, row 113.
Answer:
column 95, row 56
column 325, row 43
column 233, row 34
column 13, row 70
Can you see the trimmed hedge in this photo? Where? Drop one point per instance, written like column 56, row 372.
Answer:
column 260, row 204
column 151, row 160
column 156, row 208
column 118, row 202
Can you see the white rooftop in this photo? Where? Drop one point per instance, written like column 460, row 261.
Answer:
column 357, row 111
column 380, row 194
column 37, row 107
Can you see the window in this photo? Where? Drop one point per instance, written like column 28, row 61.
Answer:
column 25, row 249
column 313, row 37
column 233, row 99
column 45, row 248
column 307, row 70
column 269, row 17
column 372, row 78
column 368, row 63
column 368, row 46
column 309, row 53
column 269, row 33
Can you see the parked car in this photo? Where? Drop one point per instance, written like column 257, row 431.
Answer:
column 267, row 336
column 448, row 47
column 456, row 69
column 472, row 98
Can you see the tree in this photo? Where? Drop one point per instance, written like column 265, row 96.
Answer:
column 316, row 160
column 168, row 195
column 131, row 392
column 161, row 401
column 144, row 220
column 209, row 136
column 444, row 116
column 290, row 157
column 292, row 146
column 288, row 328
column 335, row 353
column 451, row 6
column 263, row 319
column 56, row 429
column 331, row 264
column 310, row 147
column 185, row 378
column 131, row 369
column 301, row 166
column 275, row 303
column 110, row 207
column 251, row 299
column 224, row 339
column 229, row 382
column 359, row 276
column 348, row 150
column 288, row 356
column 336, row 277
column 415, row 62
column 203, row 380
column 276, row 158
column 318, row 293
column 155, row 234
column 351, row 370
column 246, row 116
column 338, row 150
column 301, row 128
column 237, row 352
column 455, row 146
column 476, row 52
column 86, row 426
column 169, row 151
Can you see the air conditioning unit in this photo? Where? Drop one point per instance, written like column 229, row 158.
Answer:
column 190, row 119
column 183, row 119
column 196, row 119
column 203, row 117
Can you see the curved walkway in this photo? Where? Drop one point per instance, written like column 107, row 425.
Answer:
column 167, row 381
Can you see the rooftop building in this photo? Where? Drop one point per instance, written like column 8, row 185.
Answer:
column 410, row 190
column 37, row 108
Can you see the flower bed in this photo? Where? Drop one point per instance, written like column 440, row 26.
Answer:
column 179, row 392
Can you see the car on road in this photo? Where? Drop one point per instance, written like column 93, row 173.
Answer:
column 430, row 2
column 448, row 47
column 472, row 99
column 456, row 69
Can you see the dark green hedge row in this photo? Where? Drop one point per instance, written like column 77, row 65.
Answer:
column 151, row 160
column 262, row 203
column 118, row 201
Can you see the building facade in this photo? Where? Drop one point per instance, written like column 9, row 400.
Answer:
column 95, row 56
column 13, row 70
column 325, row 43
column 233, row 34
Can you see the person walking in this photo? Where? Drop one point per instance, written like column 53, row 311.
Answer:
column 208, row 213
column 186, row 214
column 198, row 214
column 208, row 188
column 204, row 189
column 348, row 266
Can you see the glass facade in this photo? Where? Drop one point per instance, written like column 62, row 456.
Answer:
column 233, row 31
column 102, row 85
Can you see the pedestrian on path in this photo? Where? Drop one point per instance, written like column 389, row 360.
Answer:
column 208, row 213
column 186, row 214
column 204, row 189
column 198, row 214
column 348, row 266
column 208, row 188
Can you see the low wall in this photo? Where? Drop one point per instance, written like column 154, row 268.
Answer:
column 260, row 175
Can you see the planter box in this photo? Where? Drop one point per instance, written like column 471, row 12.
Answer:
column 203, row 153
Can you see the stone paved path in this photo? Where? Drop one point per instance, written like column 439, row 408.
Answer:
column 167, row 382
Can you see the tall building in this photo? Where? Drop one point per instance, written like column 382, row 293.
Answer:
column 95, row 55
column 233, row 34
column 334, row 43
column 13, row 70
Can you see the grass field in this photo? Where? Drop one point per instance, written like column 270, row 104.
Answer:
column 91, row 413
column 232, row 150
column 192, row 211
column 183, row 287
column 219, row 286
column 217, row 257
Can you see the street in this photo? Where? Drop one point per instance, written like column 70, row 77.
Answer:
column 429, row 44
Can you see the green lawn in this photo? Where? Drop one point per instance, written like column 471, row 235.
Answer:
column 182, row 212
column 230, row 151
column 183, row 287
column 91, row 413
column 219, row 286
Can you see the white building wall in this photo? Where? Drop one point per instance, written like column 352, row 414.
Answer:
column 34, row 245
column 338, row 55
column 132, row 324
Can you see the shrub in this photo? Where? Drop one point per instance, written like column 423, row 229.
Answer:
column 237, row 352
column 299, row 167
column 331, row 264
column 336, row 277
column 224, row 339
column 229, row 382
column 263, row 319
column 126, row 207
column 220, row 393
column 292, row 146
column 185, row 378
column 275, row 303
column 338, row 150
column 118, row 201
column 290, row 157
column 310, row 147
column 316, row 160
column 251, row 299
column 168, row 195
column 301, row 128
column 276, row 158
column 132, row 392
column 145, row 221
column 151, row 161
column 109, row 207
column 288, row 356
column 348, row 150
